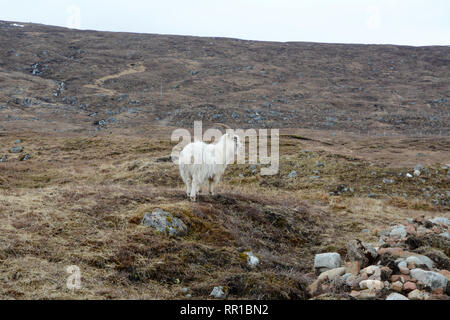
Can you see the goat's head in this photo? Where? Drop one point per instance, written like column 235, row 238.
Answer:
column 233, row 142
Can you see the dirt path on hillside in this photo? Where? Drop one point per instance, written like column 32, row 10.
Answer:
column 132, row 68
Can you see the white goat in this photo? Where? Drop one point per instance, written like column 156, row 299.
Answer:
column 202, row 163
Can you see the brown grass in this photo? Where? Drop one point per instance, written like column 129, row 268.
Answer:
column 83, row 205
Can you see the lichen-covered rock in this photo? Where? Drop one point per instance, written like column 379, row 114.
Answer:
column 431, row 279
column 326, row 261
column 218, row 292
column 164, row 222
column 398, row 232
column 252, row 260
column 420, row 261
column 16, row 149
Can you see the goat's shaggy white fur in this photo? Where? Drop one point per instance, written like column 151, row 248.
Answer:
column 202, row 163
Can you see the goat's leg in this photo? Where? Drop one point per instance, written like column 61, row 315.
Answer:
column 188, row 183
column 213, row 185
column 194, row 190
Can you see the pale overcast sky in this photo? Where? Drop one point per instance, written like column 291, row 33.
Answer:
column 407, row 22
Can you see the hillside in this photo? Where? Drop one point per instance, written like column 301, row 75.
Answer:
column 85, row 125
column 79, row 78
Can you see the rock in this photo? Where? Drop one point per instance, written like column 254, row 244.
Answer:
column 362, row 252
column 164, row 222
column 326, row 261
column 398, row 232
column 404, row 271
column 319, row 164
column 416, row 295
column 409, row 286
column 440, row 220
column 409, row 175
column 292, row 174
column 16, row 149
column 420, row 261
column 373, row 272
column 331, row 274
column 385, row 273
column 411, row 229
column 353, row 281
column 402, row 264
column 4, row 158
column 350, row 280
column 218, row 292
column 367, row 294
column 25, row 157
column 313, row 288
column 446, row 274
column 438, row 291
column 345, row 276
column 430, row 278
column 395, row 251
column 18, row 141
column 373, row 285
column 252, row 260
column 400, row 277
column 397, row 286
column 353, row 267
column 388, row 260
column 396, row 296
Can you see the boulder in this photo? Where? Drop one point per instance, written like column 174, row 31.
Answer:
column 431, row 279
column 420, row 261
column 332, row 274
column 373, row 285
column 164, row 222
column 409, row 286
column 326, row 261
column 397, row 286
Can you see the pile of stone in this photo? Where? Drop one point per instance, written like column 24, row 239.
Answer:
column 395, row 270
